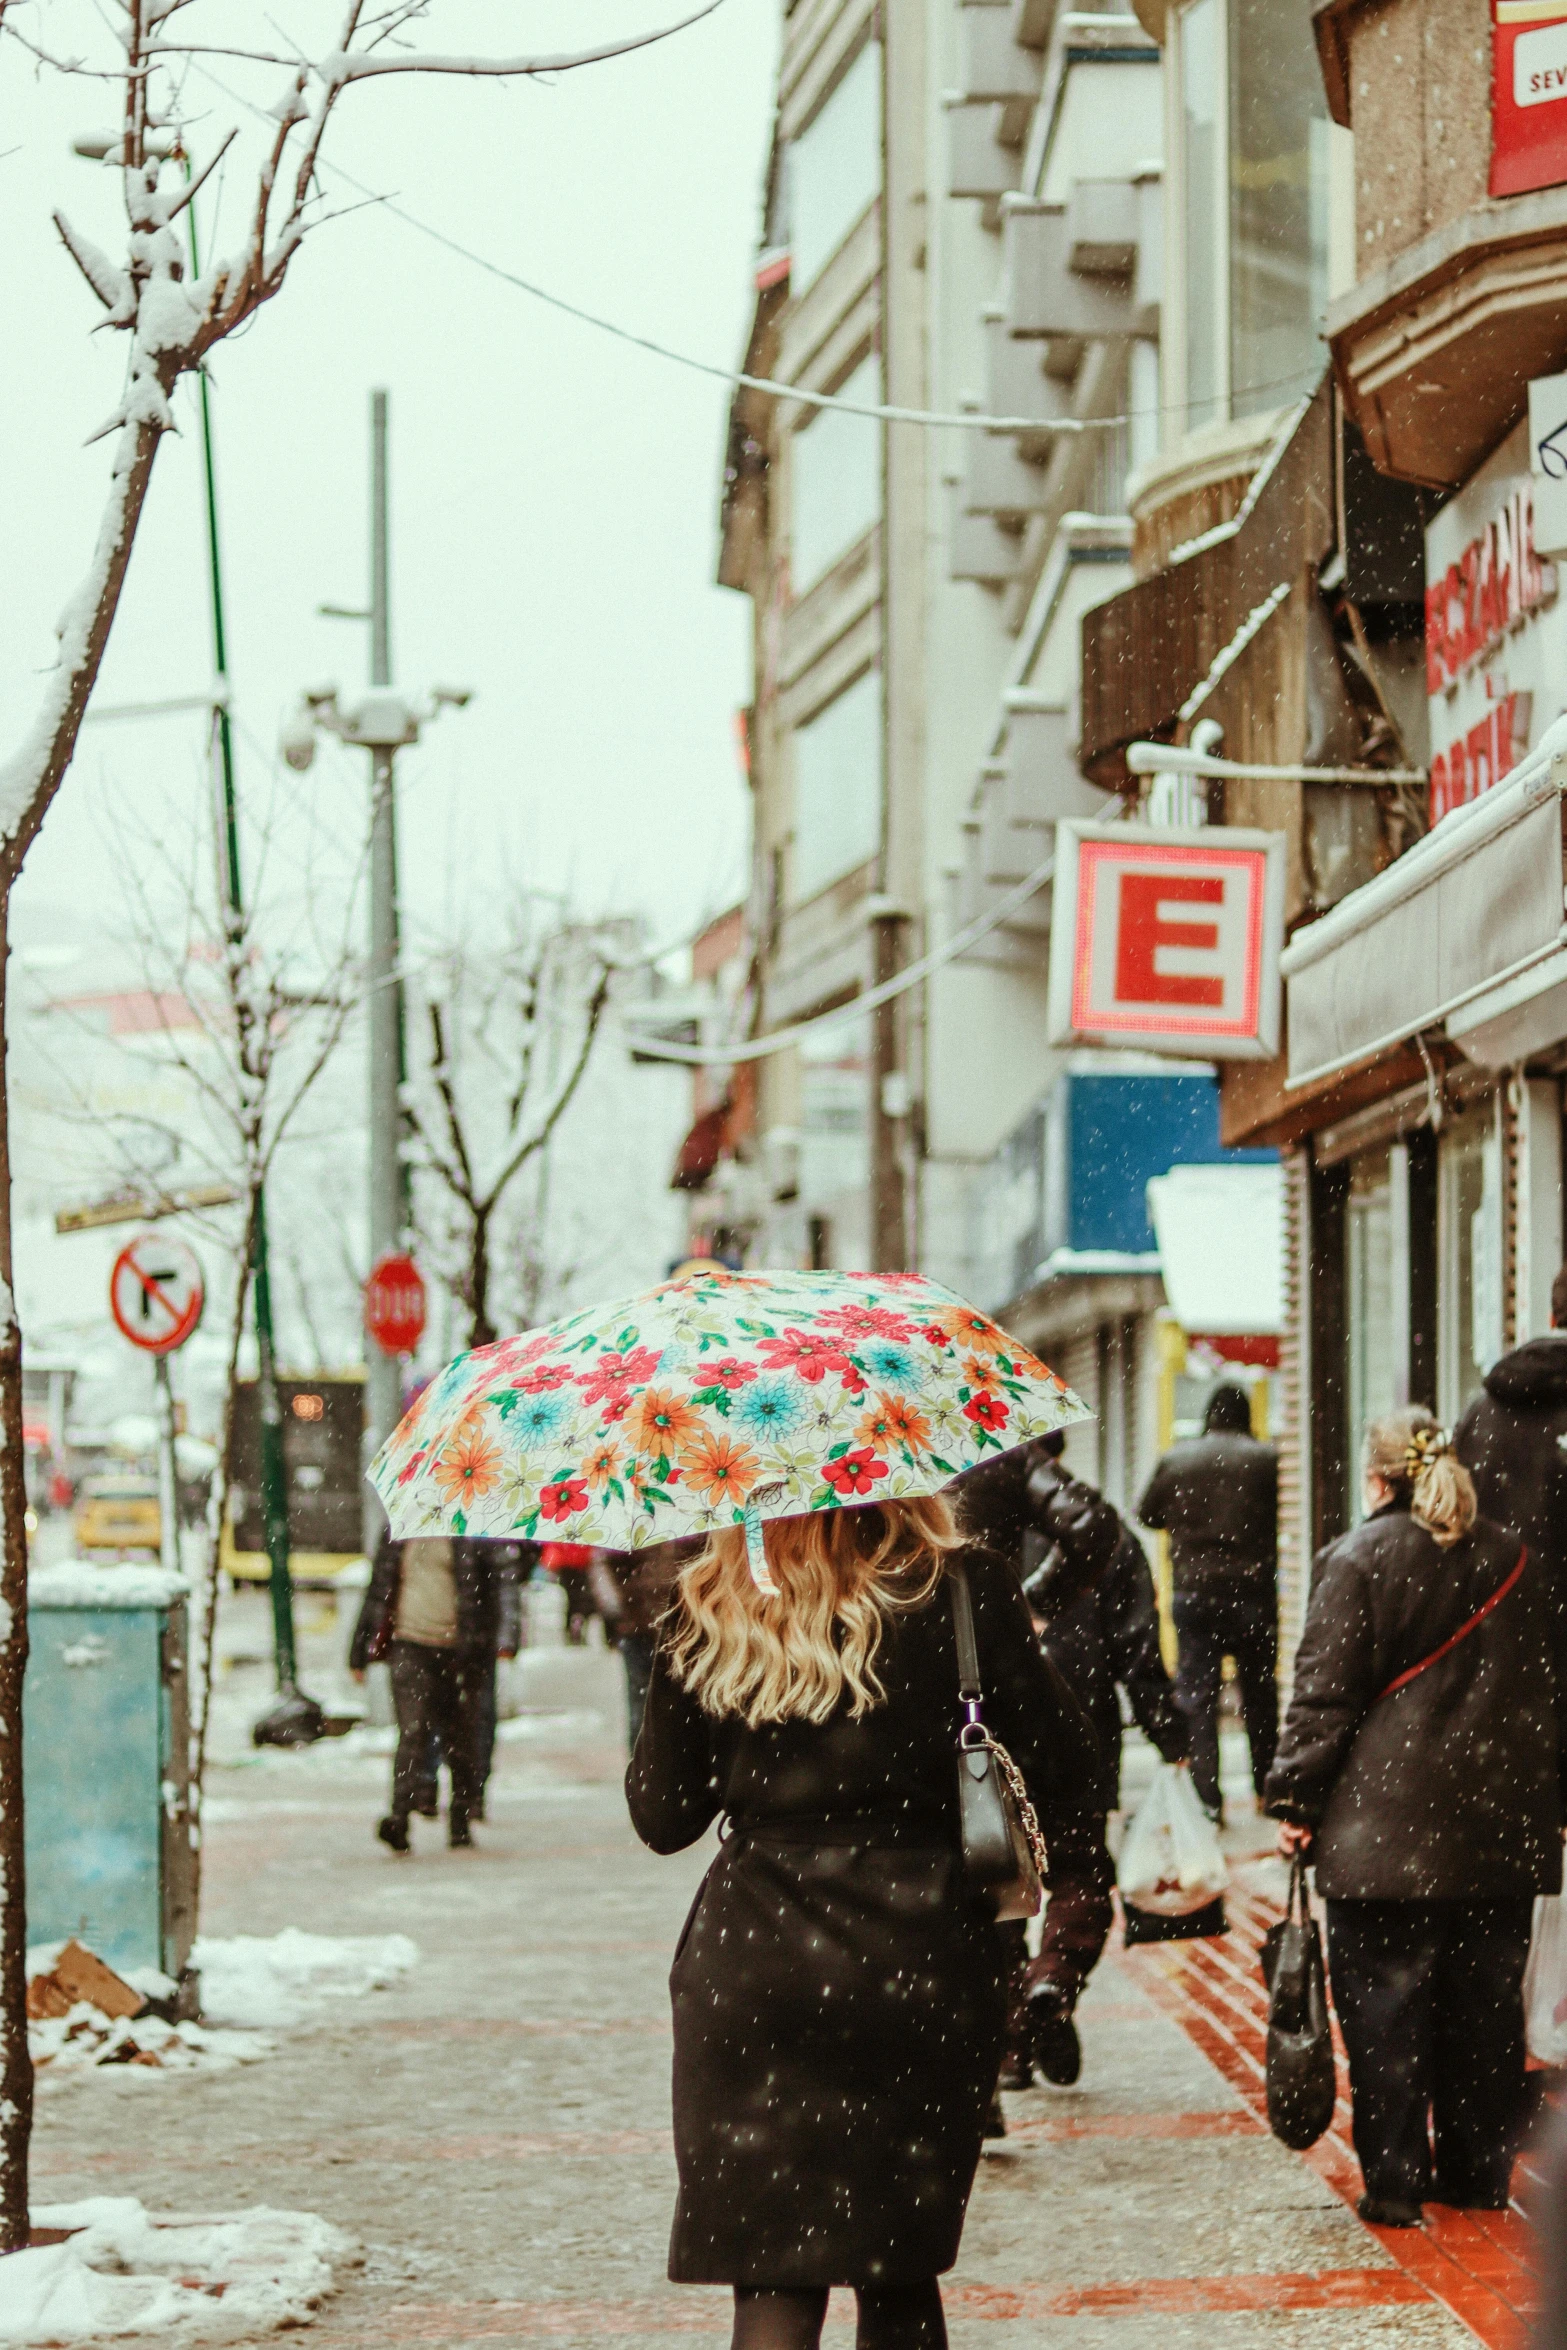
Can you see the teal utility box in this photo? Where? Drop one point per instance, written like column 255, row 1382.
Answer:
column 106, row 1762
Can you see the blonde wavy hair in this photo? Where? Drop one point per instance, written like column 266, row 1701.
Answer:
column 793, row 1654
column 1411, row 1453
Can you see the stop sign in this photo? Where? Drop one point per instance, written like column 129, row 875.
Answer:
column 394, row 1305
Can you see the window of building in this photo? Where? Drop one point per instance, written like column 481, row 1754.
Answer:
column 1256, row 167
column 834, row 478
column 835, row 168
column 837, row 787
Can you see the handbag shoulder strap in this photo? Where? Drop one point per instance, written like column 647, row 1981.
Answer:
column 1471, row 1624
column 969, row 1688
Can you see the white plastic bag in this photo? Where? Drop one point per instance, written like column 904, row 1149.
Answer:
column 1545, row 1982
column 1171, row 1859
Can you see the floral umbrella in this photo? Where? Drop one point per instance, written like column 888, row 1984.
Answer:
column 715, row 1400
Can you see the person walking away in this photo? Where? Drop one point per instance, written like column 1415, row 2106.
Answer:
column 571, row 1563
column 1101, row 1640
column 1513, row 1442
column 1217, row 1498
column 430, row 1611
column 839, row 1995
column 1422, row 1768
column 1058, row 1535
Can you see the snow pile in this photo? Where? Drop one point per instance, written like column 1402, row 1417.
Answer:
column 78, row 1583
column 267, row 1982
column 85, row 2037
column 126, row 2271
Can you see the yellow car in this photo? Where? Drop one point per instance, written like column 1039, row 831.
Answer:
column 119, row 1513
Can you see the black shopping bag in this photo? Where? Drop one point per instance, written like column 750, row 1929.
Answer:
column 1301, row 2084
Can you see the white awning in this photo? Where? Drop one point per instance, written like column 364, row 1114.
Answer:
column 1474, row 908
column 1221, row 1247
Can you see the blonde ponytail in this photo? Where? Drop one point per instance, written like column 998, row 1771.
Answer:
column 1411, row 1453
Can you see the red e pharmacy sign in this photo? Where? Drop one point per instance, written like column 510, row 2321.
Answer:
column 1167, row 940
column 1528, row 95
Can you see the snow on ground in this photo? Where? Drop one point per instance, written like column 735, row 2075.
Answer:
column 87, row 2037
column 124, row 2271
column 252, row 1986
column 269, row 1982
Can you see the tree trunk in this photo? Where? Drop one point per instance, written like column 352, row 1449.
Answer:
column 481, row 1330
column 16, row 2065
column 28, row 783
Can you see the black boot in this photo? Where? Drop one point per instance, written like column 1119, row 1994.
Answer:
column 393, row 1830
column 458, row 1833
column 1057, row 2050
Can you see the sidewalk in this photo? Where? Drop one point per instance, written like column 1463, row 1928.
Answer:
column 494, row 2128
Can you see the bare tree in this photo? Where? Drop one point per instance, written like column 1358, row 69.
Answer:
column 149, row 50
column 509, row 1037
column 246, row 1010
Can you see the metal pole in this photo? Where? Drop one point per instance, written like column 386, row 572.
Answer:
column 387, row 1201
column 168, row 1483
column 274, row 1485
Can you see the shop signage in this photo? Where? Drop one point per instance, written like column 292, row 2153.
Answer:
column 1528, row 95
column 1491, row 648
column 1497, row 581
column 1168, row 940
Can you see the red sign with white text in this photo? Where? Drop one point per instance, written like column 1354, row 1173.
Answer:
column 1528, row 95
column 395, row 1305
column 1167, row 939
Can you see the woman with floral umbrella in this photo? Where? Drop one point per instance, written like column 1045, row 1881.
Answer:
column 839, row 1993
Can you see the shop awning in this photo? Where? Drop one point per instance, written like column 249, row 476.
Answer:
column 1464, row 918
column 1221, row 1247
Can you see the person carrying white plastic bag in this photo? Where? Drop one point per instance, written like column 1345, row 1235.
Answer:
column 1545, row 1982
column 1171, row 1860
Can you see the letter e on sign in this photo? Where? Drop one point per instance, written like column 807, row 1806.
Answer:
column 1167, row 939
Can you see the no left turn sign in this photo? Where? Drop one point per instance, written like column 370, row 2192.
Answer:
column 156, row 1292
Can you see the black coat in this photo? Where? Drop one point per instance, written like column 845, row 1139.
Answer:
column 489, row 1609
column 1511, row 1440
column 1450, row 1788
column 839, row 1999
column 1110, row 1635
column 1218, row 1500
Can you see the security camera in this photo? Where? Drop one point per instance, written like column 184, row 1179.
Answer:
column 458, row 696
column 297, row 739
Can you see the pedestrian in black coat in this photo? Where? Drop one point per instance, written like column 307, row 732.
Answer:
column 432, row 1611
column 1088, row 1587
column 1217, row 1498
column 839, row 1995
column 1422, row 1765
column 1513, row 1442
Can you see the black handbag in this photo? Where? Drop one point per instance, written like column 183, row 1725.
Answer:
column 1003, row 1846
column 1301, row 2082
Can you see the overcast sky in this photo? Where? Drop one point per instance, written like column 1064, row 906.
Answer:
column 554, row 492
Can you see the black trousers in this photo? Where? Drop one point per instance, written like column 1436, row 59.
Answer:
column 437, row 1694
column 1210, row 1625
column 1429, row 1997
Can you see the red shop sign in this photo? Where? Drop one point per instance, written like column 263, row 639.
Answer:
column 1496, row 582
column 395, row 1305
column 1167, row 939
column 1528, row 95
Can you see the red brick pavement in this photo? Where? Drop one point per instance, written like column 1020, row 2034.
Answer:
column 1478, row 2265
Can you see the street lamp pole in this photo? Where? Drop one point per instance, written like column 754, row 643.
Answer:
column 296, row 1719
column 382, row 723
column 388, row 1216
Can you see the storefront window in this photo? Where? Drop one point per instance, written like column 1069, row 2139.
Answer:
column 835, row 168
column 1371, row 1366
column 834, row 479
column 837, row 787
column 1469, row 1294
column 1253, row 121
